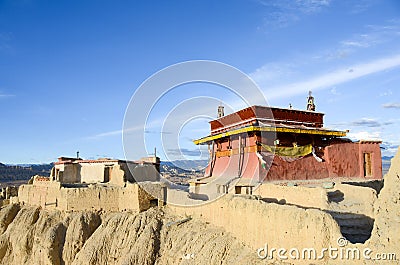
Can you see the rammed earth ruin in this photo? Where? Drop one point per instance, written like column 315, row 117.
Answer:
column 103, row 184
column 277, row 164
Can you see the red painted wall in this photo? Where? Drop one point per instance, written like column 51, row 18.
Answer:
column 341, row 160
column 306, row 168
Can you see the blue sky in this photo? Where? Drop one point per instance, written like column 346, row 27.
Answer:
column 69, row 68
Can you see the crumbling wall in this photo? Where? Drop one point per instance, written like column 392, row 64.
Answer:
column 141, row 201
column 42, row 192
column 93, row 197
column 117, row 175
column 50, row 194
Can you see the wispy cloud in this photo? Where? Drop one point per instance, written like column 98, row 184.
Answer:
column 339, row 76
column 373, row 35
column 303, row 6
column 359, row 6
column 354, row 43
column 5, row 39
column 139, row 128
column 106, row 134
column 271, row 72
column 284, row 12
column 369, row 122
column 156, row 132
column 335, row 92
column 389, row 148
column 386, row 93
column 116, row 133
column 6, row 95
column 366, row 123
column 391, row 106
column 370, row 37
column 184, row 151
column 275, row 75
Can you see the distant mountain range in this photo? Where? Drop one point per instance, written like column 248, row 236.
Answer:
column 23, row 172
column 189, row 165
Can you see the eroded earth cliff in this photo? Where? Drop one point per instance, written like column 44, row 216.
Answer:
column 30, row 235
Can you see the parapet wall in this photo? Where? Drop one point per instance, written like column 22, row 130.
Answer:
column 303, row 196
column 50, row 194
column 256, row 223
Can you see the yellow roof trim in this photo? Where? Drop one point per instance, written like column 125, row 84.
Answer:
column 268, row 129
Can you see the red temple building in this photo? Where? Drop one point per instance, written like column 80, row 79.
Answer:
column 266, row 144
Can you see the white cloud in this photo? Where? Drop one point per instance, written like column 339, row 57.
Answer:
column 366, row 123
column 386, row 93
column 284, row 12
column 355, row 44
column 272, row 74
column 105, row 134
column 374, row 35
column 272, row 71
column 359, row 6
column 391, row 106
column 339, row 76
column 117, row 132
column 335, row 92
column 364, row 135
column 371, row 37
column 6, row 95
column 370, row 122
